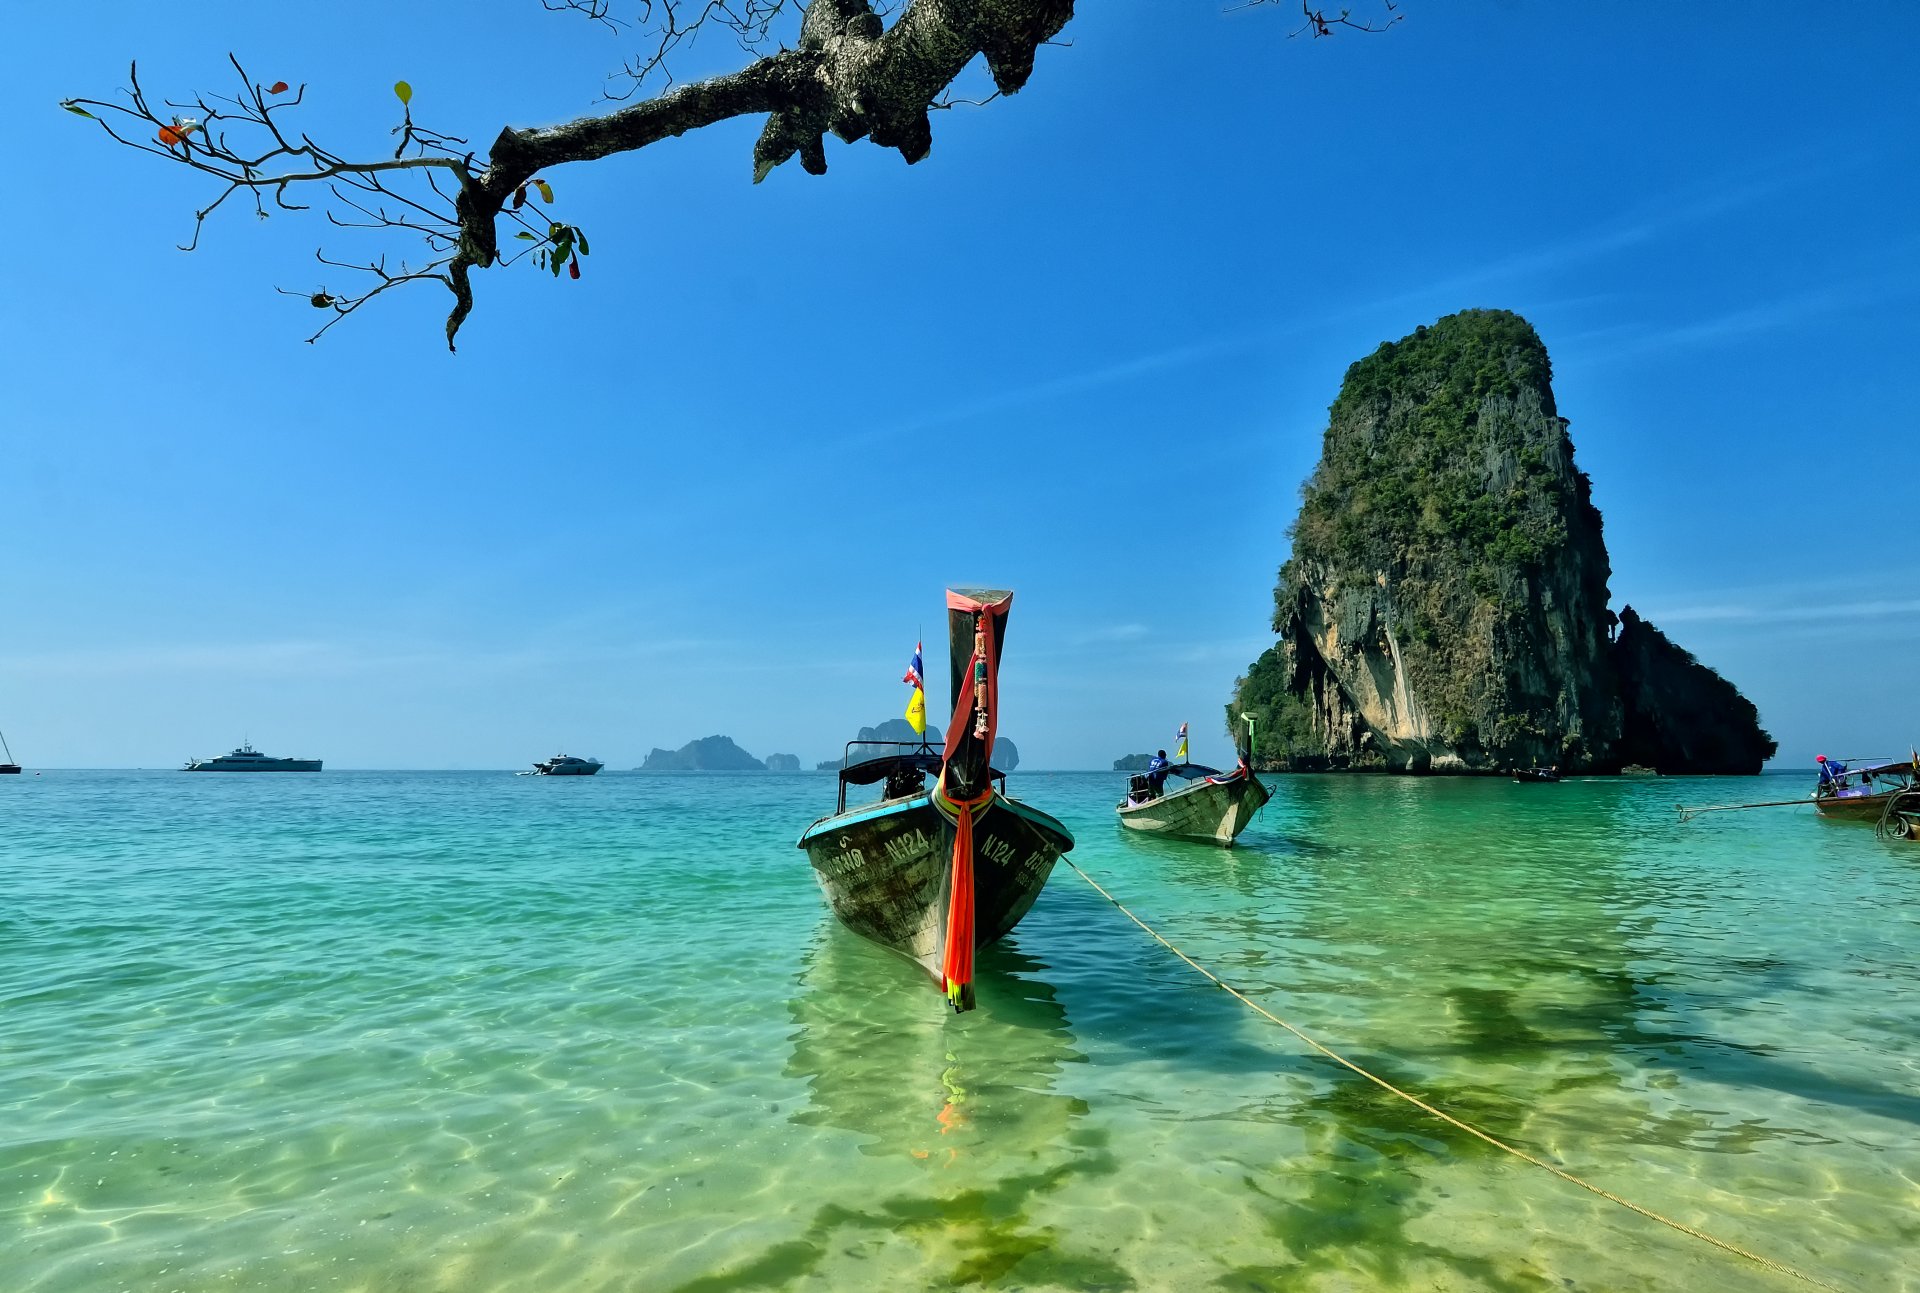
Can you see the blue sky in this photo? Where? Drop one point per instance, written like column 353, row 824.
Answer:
column 1084, row 350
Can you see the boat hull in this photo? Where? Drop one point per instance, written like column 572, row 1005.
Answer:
column 886, row 870
column 1214, row 811
column 587, row 771
column 1853, row 808
column 8, row 767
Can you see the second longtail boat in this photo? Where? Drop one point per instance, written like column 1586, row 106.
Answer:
column 933, row 873
column 1214, row 806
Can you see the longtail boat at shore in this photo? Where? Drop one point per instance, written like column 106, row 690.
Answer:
column 1214, row 806
column 1885, row 794
column 1862, row 794
column 933, row 873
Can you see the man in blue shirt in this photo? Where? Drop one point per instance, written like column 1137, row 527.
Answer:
column 1157, row 769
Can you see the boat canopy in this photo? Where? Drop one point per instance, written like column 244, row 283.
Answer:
column 1906, row 767
column 924, row 759
column 1193, row 771
column 868, row 771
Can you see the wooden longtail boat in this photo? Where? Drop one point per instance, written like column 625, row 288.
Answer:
column 1213, row 805
column 1863, row 794
column 934, row 872
column 1536, row 776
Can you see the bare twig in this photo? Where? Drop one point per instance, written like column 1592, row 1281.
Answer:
column 1318, row 24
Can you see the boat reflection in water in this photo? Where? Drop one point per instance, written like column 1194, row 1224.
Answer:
column 970, row 1157
column 879, row 1063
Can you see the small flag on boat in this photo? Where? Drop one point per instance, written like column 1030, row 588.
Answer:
column 917, row 703
column 1180, row 754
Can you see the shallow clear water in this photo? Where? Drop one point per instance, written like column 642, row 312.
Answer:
column 471, row 1031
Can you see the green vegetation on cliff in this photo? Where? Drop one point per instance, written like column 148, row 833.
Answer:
column 1404, row 466
column 1283, row 734
column 1441, row 451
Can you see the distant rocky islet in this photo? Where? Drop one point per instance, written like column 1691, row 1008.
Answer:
column 707, row 754
column 887, row 738
column 1445, row 604
column 721, row 754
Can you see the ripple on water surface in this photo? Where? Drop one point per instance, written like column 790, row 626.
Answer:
column 467, row 1031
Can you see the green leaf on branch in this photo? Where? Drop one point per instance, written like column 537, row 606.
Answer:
column 78, row 111
column 403, row 92
column 524, row 234
column 546, row 191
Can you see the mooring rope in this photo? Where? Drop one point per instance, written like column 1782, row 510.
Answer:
column 1778, row 1268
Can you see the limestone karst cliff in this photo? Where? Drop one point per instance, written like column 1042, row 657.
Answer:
column 1681, row 716
column 1444, row 607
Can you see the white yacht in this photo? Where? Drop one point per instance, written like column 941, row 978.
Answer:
column 248, row 759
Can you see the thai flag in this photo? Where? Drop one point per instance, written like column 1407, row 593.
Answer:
column 916, row 714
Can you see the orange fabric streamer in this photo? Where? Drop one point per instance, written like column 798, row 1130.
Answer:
column 956, row 969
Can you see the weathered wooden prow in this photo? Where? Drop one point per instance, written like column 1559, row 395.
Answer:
column 976, row 630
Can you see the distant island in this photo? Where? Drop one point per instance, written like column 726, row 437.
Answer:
column 783, row 763
column 1132, row 762
column 1445, row 604
column 708, row 754
column 1006, row 756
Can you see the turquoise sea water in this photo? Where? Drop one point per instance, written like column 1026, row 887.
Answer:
column 471, row 1031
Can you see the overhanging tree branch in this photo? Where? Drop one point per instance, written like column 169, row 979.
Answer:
column 851, row 74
